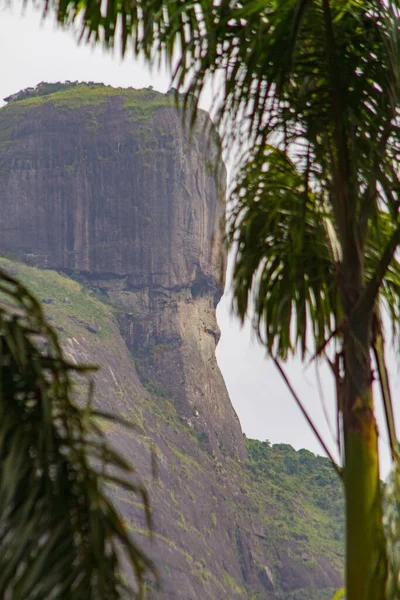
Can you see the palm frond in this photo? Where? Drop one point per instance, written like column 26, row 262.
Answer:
column 60, row 536
column 389, row 293
column 287, row 255
column 283, row 265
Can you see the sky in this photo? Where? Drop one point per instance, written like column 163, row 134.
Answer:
column 33, row 51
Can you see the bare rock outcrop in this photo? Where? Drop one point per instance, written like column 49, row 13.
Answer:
column 106, row 183
column 105, row 186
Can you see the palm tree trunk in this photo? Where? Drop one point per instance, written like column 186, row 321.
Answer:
column 365, row 554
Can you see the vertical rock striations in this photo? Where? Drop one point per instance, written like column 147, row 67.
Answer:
column 106, row 183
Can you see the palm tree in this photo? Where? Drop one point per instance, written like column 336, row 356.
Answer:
column 309, row 91
column 60, row 536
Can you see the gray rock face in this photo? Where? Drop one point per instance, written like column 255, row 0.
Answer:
column 100, row 188
column 105, row 183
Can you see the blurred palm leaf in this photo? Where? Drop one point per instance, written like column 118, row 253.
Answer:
column 287, row 257
column 60, row 536
column 283, row 262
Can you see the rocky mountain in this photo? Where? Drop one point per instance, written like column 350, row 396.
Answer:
column 116, row 205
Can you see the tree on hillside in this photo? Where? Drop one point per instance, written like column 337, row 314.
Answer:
column 310, row 88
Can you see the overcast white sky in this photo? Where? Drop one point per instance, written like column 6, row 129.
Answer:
column 33, row 52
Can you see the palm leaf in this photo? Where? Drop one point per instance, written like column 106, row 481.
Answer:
column 60, row 536
column 283, row 264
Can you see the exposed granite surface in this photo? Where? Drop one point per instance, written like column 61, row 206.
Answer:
column 104, row 185
column 92, row 182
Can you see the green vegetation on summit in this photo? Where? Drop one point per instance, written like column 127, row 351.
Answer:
column 70, row 95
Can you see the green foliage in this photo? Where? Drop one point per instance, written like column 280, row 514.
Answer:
column 71, row 302
column 202, row 436
column 42, row 89
column 339, row 594
column 299, row 499
column 282, row 250
column 54, row 466
column 307, row 594
column 392, row 527
column 231, row 584
column 222, row 448
column 281, row 464
column 140, row 104
column 153, row 386
column 185, row 459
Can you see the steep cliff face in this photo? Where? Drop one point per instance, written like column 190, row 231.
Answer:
column 105, row 182
column 267, row 528
column 104, row 186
